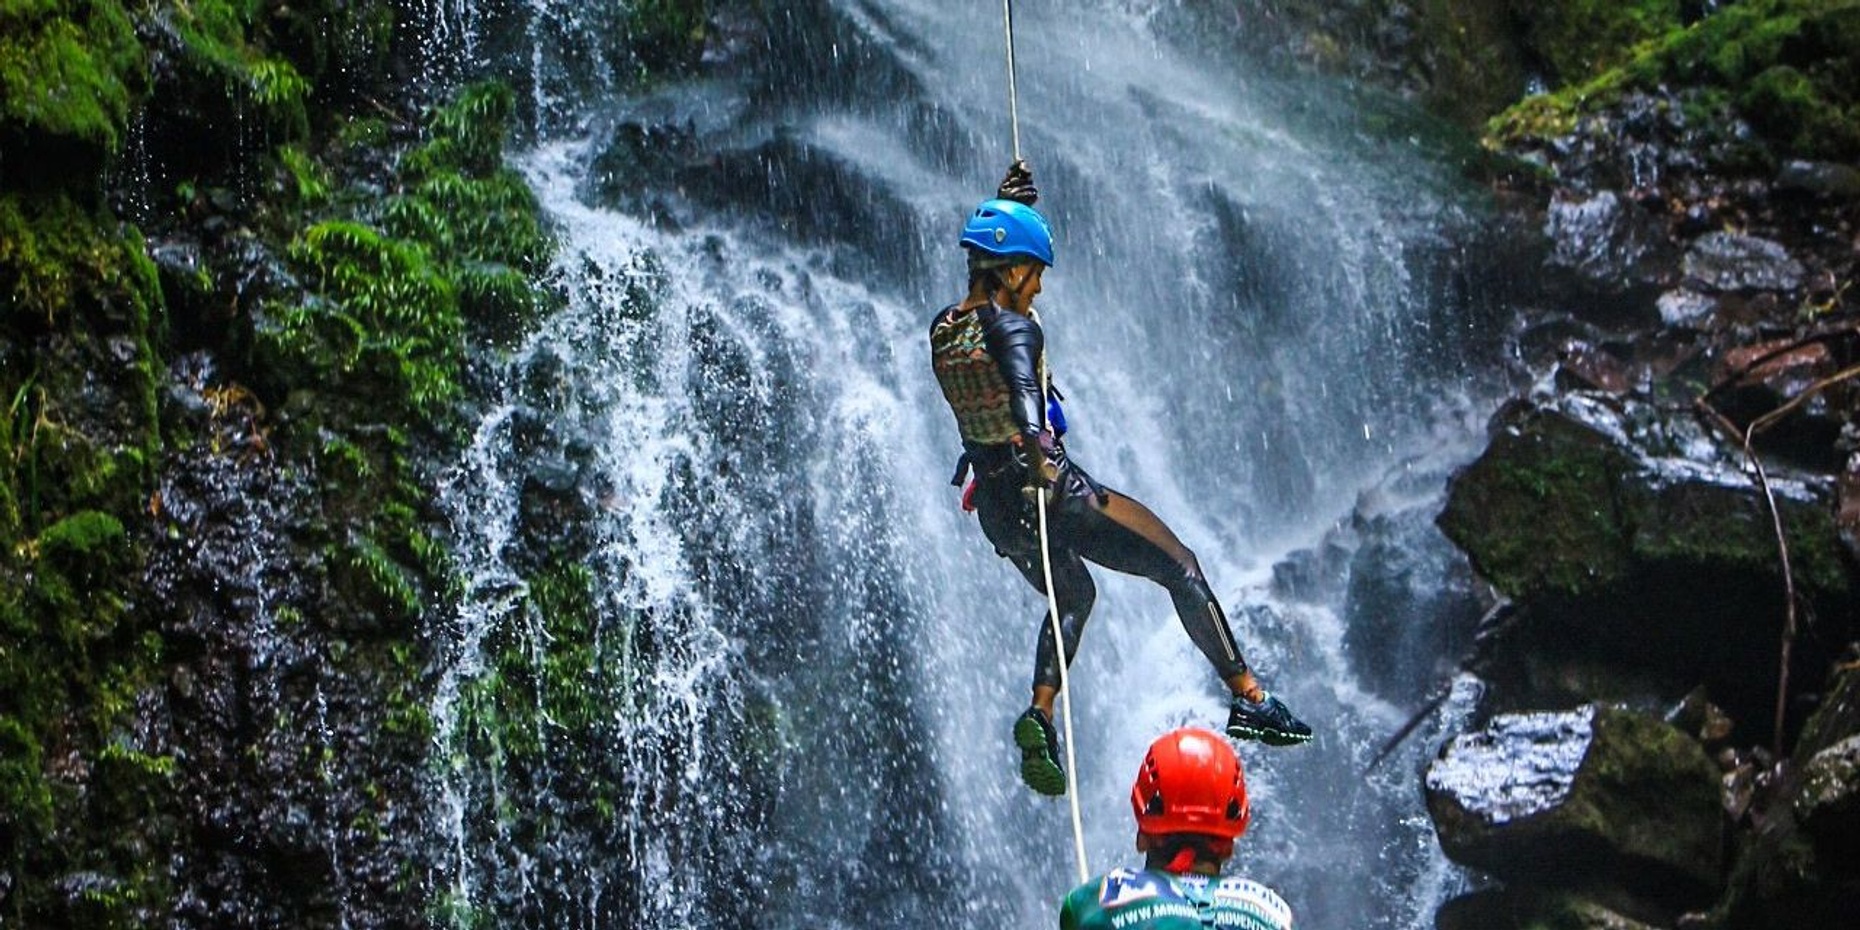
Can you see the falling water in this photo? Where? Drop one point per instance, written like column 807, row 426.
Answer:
column 806, row 658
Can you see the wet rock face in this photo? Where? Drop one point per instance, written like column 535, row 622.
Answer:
column 1617, row 805
column 1725, row 261
column 1829, row 804
column 1518, row 766
column 1609, row 258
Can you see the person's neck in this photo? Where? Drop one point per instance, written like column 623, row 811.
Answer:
column 1002, row 298
column 1208, row 867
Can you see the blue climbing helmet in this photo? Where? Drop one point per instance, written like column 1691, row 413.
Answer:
column 1009, row 229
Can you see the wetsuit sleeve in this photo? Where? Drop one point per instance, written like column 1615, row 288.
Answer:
column 1015, row 343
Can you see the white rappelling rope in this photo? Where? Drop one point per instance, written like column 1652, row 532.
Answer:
column 1046, row 558
column 1065, row 696
column 1007, row 15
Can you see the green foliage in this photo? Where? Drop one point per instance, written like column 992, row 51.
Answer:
column 1789, row 106
column 25, row 797
column 1577, row 38
column 466, row 135
column 392, row 588
column 81, row 535
column 1791, row 67
column 310, row 181
column 480, row 215
column 68, row 68
column 221, row 40
column 667, row 34
column 386, row 316
column 54, row 254
column 375, row 343
column 542, row 712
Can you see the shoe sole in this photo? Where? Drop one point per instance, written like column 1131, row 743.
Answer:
column 1269, row 737
column 1037, row 768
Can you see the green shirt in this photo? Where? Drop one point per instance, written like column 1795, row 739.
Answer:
column 1128, row 899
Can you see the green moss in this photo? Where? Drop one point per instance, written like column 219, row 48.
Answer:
column 54, row 254
column 540, row 720
column 1538, row 512
column 69, row 271
column 1577, row 38
column 478, row 213
column 82, row 535
column 667, row 35
column 68, row 68
column 73, row 663
column 223, row 41
column 385, row 317
column 389, row 588
column 1791, row 67
column 25, row 797
column 1789, row 106
column 310, row 182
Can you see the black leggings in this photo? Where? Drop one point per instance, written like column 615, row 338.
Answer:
column 1089, row 523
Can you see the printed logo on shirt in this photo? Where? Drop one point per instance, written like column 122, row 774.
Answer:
column 1155, row 911
column 1123, row 887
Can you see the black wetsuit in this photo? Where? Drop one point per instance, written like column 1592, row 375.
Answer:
column 1086, row 522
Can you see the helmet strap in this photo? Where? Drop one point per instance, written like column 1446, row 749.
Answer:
column 1001, row 284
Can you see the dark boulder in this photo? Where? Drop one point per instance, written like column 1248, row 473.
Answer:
column 1725, row 262
column 1830, row 179
column 1617, row 805
column 1636, row 549
column 1529, row 909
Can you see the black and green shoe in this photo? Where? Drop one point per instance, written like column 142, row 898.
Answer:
column 1266, row 720
column 1039, row 753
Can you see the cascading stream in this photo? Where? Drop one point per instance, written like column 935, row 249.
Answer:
column 793, row 689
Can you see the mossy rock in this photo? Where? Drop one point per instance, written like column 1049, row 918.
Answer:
column 1638, row 574
column 1791, row 67
column 1577, row 38
column 1539, row 512
column 1597, row 800
column 1558, row 508
column 69, row 71
column 84, row 539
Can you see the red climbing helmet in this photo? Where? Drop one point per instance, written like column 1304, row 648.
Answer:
column 1190, row 782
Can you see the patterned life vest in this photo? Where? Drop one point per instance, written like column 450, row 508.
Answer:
column 971, row 381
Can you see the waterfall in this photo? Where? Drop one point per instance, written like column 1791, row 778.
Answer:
column 793, row 693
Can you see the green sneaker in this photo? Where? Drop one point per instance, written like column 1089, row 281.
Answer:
column 1039, row 753
column 1266, row 720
